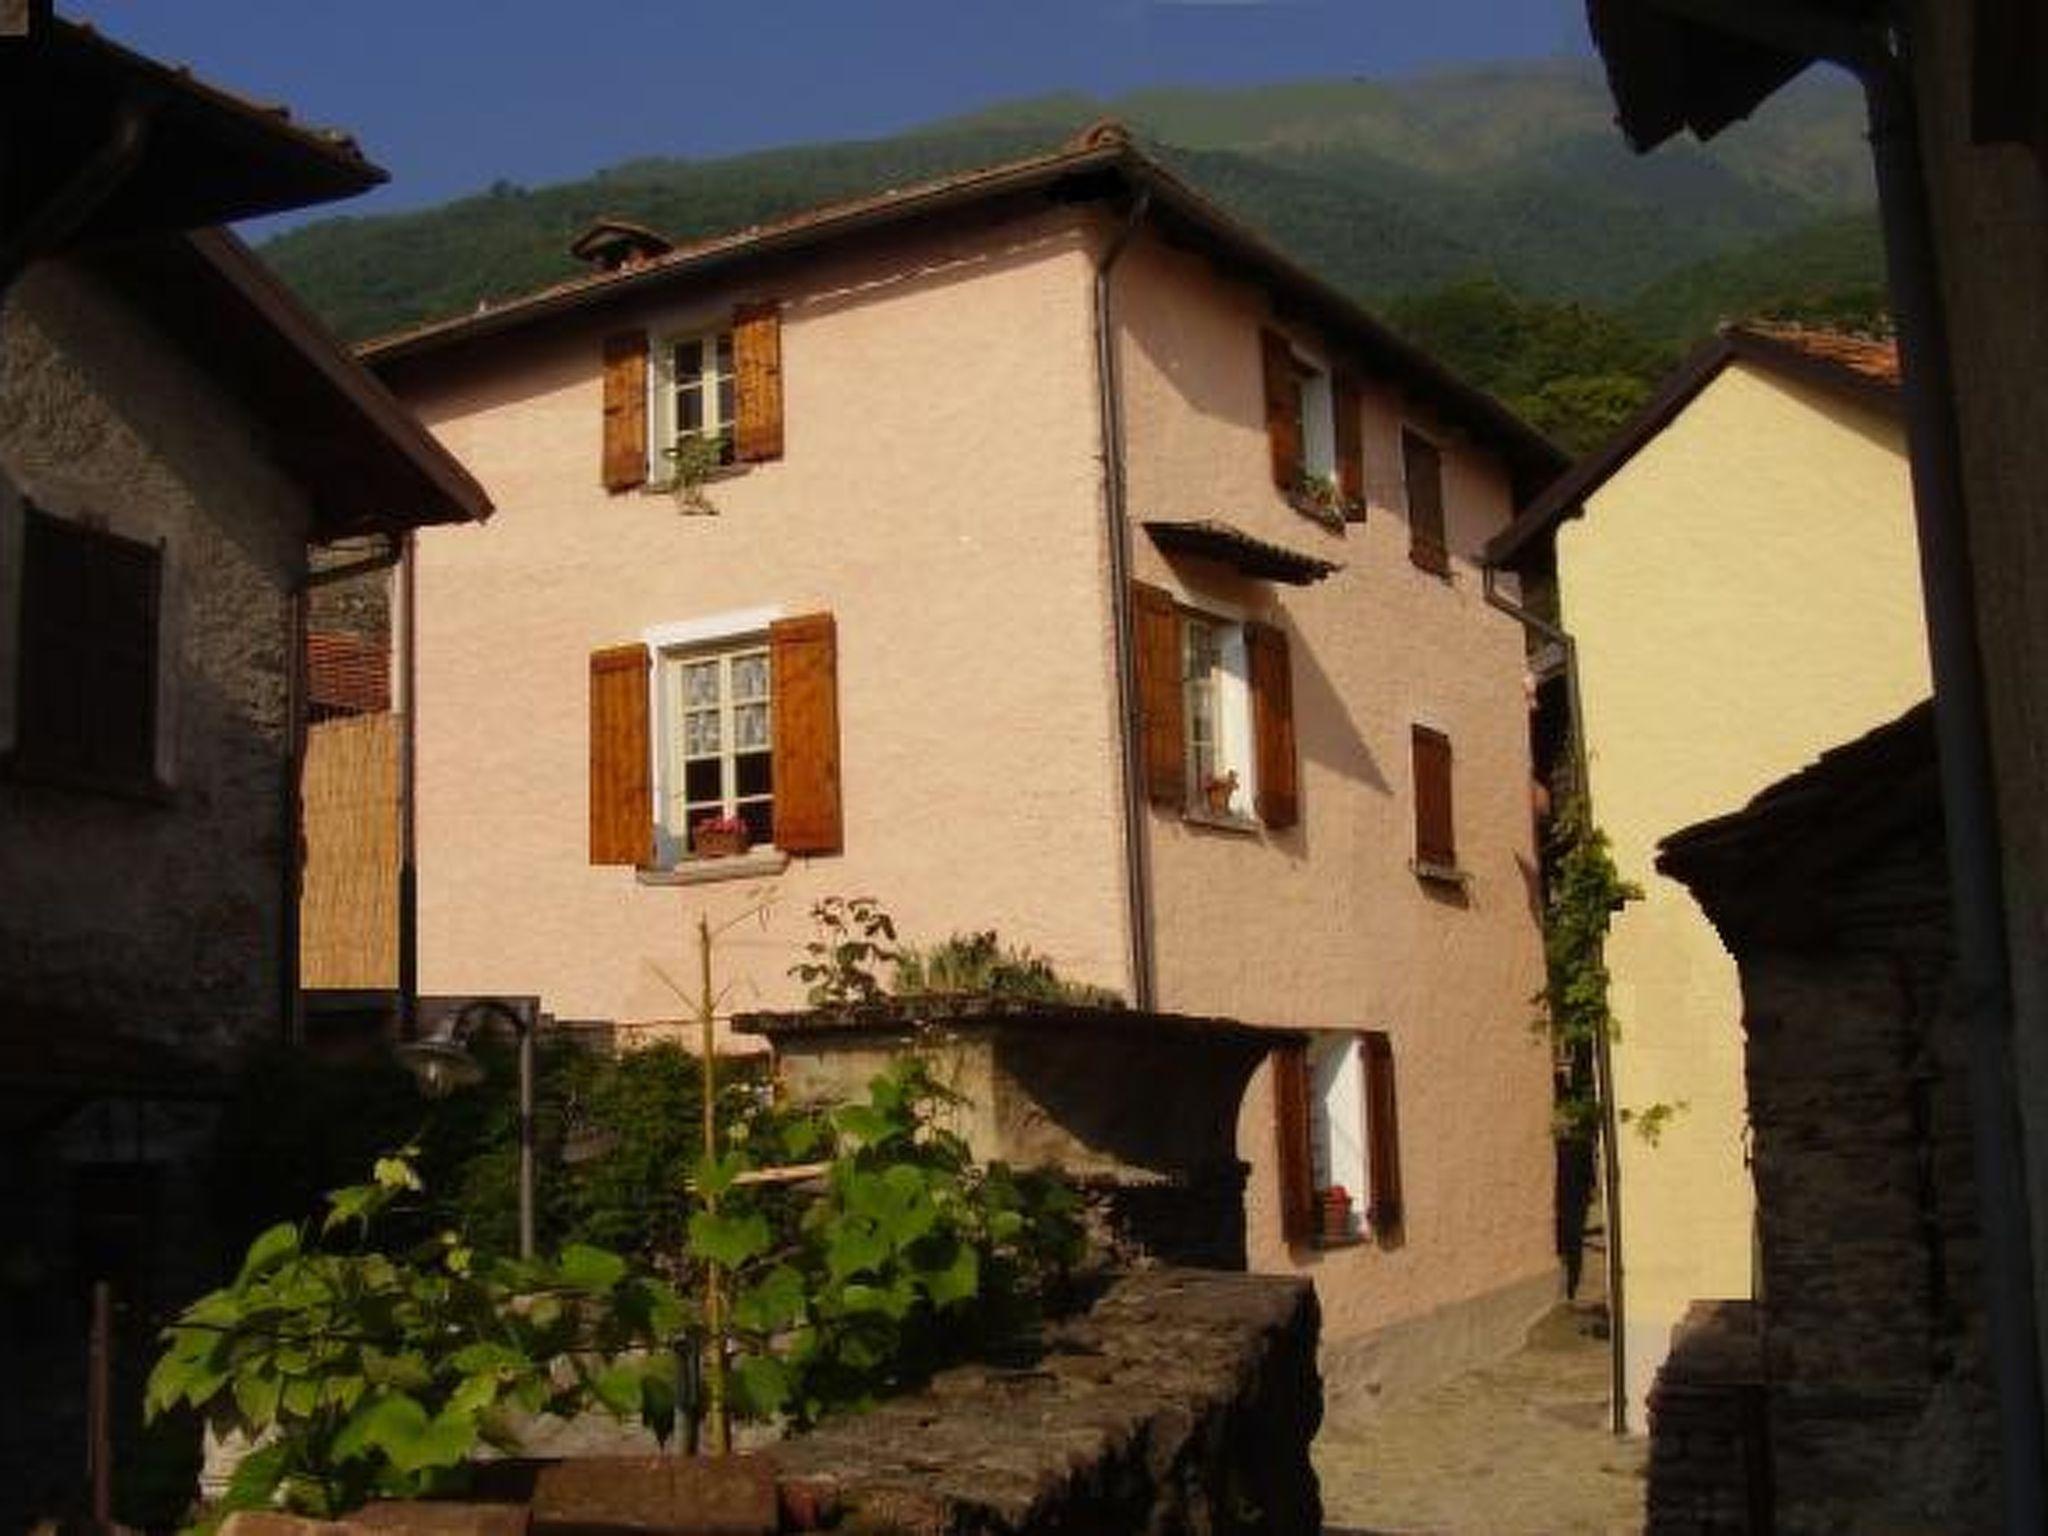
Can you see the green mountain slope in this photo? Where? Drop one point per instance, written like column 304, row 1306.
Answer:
column 1832, row 269
column 1387, row 187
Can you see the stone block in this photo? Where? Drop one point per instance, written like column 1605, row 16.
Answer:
column 655, row 1496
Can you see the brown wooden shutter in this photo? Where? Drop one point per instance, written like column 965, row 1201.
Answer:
column 1279, row 798
column 757, row 370
column 1350, row 409
column 1283, row 409
column 1422, row 470
column 1435, row 833
column 625, row 410
column 1291, row 1129
column 1161, row 731
column 805, row 656
column 621, row 795
column 1383, row 1135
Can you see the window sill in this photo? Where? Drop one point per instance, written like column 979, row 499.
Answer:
column 1215, row 821
column 1335, row 517
column 1324, row 1243
column 670, row 485
column 1432, row 562
column 751, row 865
column 19, row 769
column 1440, row 874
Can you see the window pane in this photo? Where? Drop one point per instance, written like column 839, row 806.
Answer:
column 750, row 677
column 690, row 410
column 724, row 353
column 753, row 773
column 759, row 816
column 725, row 402
column 750, row 727
column 689, row 359
column 700, row 735
column 702, row 781
column 700, row 684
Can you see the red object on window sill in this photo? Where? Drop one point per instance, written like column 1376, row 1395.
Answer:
column 714, row 840
column 1336, row 1211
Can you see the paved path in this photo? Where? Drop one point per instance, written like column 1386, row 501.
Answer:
column 1520, row 1448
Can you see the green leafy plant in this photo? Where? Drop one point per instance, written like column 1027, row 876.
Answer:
column 1652, row 1120
column 357, row 1373
column 696, row 457
column 978, row 964
column 855, row 936
column 1586, row 890
column 1321, row 496
column 908, row 1255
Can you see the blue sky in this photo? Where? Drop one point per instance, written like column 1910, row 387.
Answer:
column 451, row 95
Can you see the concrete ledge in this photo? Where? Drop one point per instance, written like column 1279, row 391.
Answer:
column 1361, row 1372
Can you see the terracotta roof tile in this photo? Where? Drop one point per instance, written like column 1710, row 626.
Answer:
column 1877, row 361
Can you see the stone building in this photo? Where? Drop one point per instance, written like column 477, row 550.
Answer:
column 174, row 432
column 1854, row 1394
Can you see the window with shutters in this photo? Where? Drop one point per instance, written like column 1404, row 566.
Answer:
column 1313, row 427
column 1422, row 476
column 1338, row 1126
column 694, row 396
column 1436, row 842
column 716, row 730
column 86, row 689
column 1217, row 716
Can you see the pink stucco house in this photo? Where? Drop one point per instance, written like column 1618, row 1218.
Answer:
column 1057, row 557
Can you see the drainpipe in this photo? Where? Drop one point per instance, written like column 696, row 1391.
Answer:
column 1969, row 806
column 1137, row 881
column 408, row 819
column 1603, row 1059
column 292, row 1004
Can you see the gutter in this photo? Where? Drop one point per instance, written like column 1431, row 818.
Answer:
column 1137, row 877
column 1603, row 1058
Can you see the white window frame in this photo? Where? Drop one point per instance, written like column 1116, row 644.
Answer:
column 668, row 646
column 1318, row 418
column 662, row 383
column 1231, row 677
column 1339, row 1131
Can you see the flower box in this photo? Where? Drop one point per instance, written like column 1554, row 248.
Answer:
column 720, row 837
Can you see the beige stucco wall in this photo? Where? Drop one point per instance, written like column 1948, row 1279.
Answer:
column 1324, row 925
column 940, row 495
column 157, row 917
column 1745, row 594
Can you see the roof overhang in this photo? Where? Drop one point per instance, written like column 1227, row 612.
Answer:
column 1101, row 167
column 1566, row 496
column 362, row 458
column 1239, row 550
column 206, row 156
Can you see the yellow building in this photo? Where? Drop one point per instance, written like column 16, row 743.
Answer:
column 1738, row 574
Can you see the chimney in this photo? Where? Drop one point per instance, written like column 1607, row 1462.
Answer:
column 618, row 245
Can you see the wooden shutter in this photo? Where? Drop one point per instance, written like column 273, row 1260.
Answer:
column 805, row 656
column 88, row 669
column 1283, row 408
column 1435, row 836
column 1422, row 470
column 1161, row 731
column 621, row 794
column 1291, row 1128
column 625, row 410
column 757, row 370
column 1383, row 1135
column 1279, row 800
column 1350, row 409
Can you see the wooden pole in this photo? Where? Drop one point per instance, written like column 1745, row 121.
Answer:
column 99, row 1403
column 714, row 1310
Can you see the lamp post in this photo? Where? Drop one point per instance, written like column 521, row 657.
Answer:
column 441, row 1063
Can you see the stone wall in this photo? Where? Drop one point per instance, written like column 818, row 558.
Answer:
column 1181, row 1404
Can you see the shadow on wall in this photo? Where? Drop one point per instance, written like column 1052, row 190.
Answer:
column 1325, row 733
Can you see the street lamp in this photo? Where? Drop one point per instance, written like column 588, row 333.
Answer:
column 441, row 1063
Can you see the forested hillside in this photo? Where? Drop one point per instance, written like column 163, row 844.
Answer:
column 1494, row 214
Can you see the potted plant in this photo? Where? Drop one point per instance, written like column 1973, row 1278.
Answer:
column 1336, row 1205
column 719, row 837
column 1218, row 790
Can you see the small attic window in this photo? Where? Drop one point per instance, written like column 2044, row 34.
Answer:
column 611, row 245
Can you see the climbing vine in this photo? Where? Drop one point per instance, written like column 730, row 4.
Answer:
column 1586, row 890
